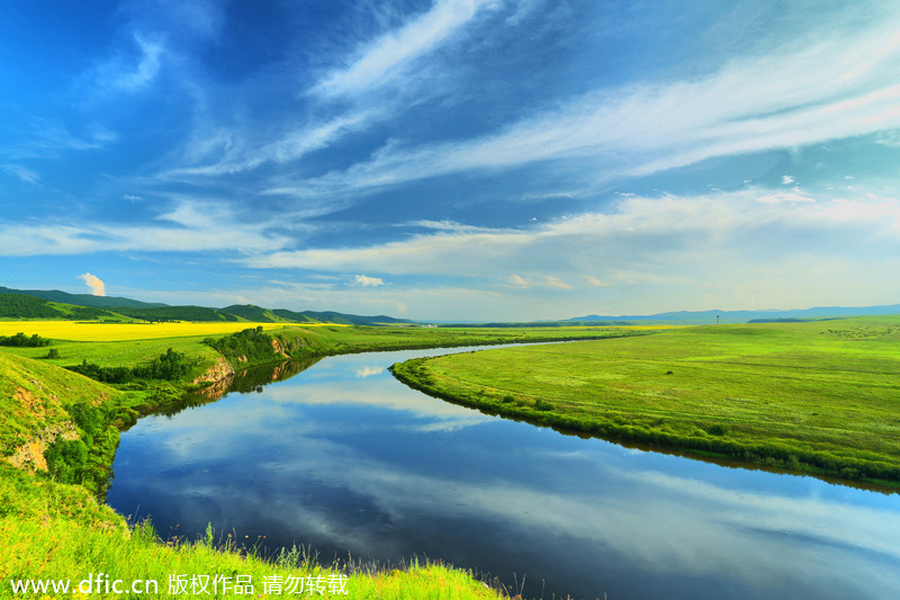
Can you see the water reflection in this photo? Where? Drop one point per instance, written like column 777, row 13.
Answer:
column 361, row 464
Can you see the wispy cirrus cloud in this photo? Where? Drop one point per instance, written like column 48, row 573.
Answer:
column 242, row 155
column 795, row 95
column 384, row 61
column 42, row 138
column 188, row 227
column 128, row 71
column 23, row 173
column 378, row 61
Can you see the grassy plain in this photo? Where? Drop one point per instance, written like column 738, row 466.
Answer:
column 820, row 397
column 51, row 530
column 129, row 344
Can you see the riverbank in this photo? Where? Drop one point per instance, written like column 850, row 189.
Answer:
column 60, row 426
column 817, row 398
column 59, row 535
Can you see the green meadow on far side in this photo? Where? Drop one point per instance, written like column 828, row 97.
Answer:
column 821, row 397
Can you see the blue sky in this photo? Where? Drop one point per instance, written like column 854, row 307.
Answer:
column 454, row 159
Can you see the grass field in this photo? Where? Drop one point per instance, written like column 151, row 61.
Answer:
column 820, row 397
column 129, row 344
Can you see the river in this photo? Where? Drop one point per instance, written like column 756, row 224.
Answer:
column 346, row 460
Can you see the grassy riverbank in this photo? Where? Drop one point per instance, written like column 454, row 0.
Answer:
column 59, row 533
column 58, row 426
column 818, row 397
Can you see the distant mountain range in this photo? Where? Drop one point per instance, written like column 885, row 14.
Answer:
column 745, row 316
column 55, row 304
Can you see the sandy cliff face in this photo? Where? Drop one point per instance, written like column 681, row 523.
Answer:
column 276, row 346
column 218, row 377
column 29, row 454
column 220, row 371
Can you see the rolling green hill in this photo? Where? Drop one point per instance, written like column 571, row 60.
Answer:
column 81, row 299
column 54, row 304
column 345, row 319
column 177, row 313
column 258, row 314
column 21, row 306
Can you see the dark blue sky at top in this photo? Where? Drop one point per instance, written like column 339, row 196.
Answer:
column 453, row 159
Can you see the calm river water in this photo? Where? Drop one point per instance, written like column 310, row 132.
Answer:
column 347, row 460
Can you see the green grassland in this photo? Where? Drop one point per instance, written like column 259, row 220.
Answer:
column 343, row 340
column 59, row 431
column 320, row 341
column 818, row 397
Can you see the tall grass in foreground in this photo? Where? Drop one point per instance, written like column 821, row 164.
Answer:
column 75, row 553
column 51, row 531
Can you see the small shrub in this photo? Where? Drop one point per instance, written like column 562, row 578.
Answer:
column 543, row 405
column 23, row 341
column 65, row 460
column 717, row 429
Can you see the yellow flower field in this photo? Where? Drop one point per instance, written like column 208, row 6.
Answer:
column 118, row 332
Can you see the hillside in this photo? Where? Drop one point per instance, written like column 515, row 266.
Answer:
column 82, row 299
column 345, row 319
column 32, row 414
column 21, row 306
column 54, row 304
column 199, row 314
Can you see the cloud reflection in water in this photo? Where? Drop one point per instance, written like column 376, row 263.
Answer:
column 368, row 466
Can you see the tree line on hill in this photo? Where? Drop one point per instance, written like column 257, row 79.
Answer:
column 23, row 341
column 170, row 366
column 17, row 305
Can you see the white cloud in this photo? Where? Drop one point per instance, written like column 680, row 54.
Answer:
column 374, row 64
column 519, row 281
column 787, row 180
column 292, row 146
column 146, row 69
column 45, row 139
column 750, row 248
column 364, row 372
column 188, row 227
column 775, row 197
column 379, row 60
column 594, row 281
column 364, row 281
column 121, row 74
column 26, row 175
column 98, row 288
column 556, row 283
